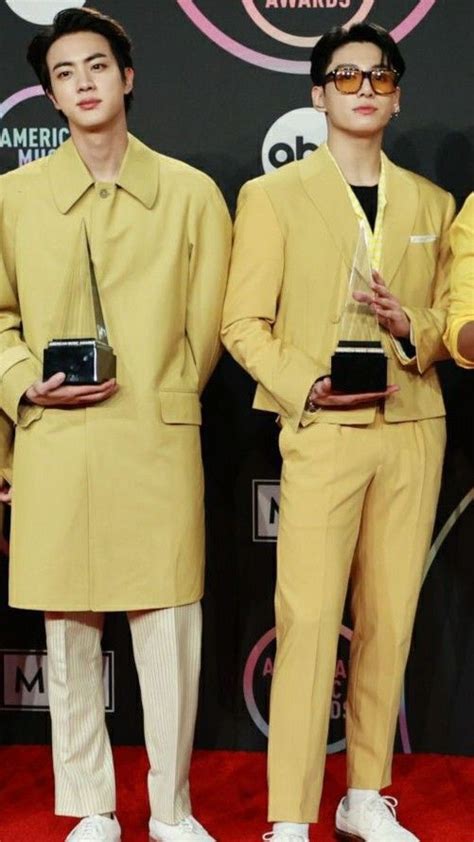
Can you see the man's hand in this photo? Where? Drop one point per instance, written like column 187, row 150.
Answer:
column 51, row 393
column 5, row 491
column 386, row 307
column 322, row 395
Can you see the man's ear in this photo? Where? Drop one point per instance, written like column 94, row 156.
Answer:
column 318, row 98
column 52, row 99
column 398, row 95
column 129, row 74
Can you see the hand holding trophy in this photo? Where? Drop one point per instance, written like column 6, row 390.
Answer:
column 387, row 307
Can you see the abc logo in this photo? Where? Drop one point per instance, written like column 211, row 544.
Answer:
column 292, row 137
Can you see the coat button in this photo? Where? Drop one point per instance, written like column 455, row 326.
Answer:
column 103, row 194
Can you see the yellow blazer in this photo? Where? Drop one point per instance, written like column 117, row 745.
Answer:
column 461, row 308
column 108, row 501
column 295, row 236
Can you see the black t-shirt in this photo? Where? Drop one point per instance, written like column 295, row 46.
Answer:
column 368, row 198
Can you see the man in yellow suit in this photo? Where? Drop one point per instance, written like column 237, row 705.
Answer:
column 361, row 472
column 107, row 480
column 460, row 333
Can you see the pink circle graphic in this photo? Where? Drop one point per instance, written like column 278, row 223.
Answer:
column 19, row 96
column 297, row 40
column 234, row 47
column 412, row 19
column 249, row 695
column 279, row 65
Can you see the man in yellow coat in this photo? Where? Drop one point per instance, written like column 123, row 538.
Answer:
column 460, row 332
column 107, row 479
column 361, row 472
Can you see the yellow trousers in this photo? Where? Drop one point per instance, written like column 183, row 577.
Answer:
column 356, row 502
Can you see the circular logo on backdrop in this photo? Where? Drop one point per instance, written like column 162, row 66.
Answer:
column 244, row 28
column 257, row 683
column 293, row 136
column 18, row 97
column 23, row 141
column 41, row 11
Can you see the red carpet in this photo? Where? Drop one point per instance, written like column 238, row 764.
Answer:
column 436, row 795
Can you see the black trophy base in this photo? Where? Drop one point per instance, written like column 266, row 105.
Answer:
column 359, row 367
column 85, row 362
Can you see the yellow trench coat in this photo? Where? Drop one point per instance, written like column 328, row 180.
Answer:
column 108, row 501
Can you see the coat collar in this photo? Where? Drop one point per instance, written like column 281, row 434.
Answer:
column 324, row 185
column 69, row 177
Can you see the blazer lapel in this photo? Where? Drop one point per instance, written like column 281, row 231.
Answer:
column 399, row 219
column 325, row 187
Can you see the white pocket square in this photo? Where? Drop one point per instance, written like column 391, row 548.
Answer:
column 423, row 238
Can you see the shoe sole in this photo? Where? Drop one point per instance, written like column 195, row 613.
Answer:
column 151, row 838
column 342, row 834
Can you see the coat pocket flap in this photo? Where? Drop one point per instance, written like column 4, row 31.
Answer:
column 180, row 408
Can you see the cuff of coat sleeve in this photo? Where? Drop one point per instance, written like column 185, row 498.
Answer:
column 406, row 355
column 427, row 337
column 451, row 341
column 405, row 350
column 15, row 382
column 7, row 475
column 301, row 412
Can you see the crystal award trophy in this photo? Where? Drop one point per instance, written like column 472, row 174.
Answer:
column 359, row 363
column 83, row 353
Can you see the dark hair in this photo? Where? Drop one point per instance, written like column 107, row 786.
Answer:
column 80, row 20
column 360, row 33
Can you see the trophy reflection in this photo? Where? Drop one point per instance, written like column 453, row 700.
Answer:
column 83, row 352
column 359, row 363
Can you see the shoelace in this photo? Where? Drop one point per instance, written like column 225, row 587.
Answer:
column 186, row 824
column 89, row 828
column 190, row 824
column 274, row 836
column 383, row 808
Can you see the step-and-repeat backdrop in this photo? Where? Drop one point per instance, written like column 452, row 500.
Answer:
column 223, row 84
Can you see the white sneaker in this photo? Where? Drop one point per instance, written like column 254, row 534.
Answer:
column 284, row 836
column 96, row 829
column 188, row 830
column 373, row 820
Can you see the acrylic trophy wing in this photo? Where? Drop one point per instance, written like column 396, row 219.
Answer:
column 82, row 351
column 358, row 322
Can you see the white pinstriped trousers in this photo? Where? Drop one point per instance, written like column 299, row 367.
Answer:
column 167, row 650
